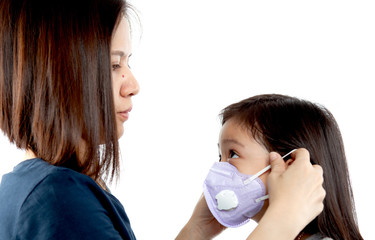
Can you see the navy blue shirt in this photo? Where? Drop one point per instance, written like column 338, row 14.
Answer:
column 42, row 201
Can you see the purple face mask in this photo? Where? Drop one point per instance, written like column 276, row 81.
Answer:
column 232, row 197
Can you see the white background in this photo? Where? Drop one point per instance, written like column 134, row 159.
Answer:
column 196, row 57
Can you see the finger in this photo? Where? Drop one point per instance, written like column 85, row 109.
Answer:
column 300, row 157
column 277, row 163
column 318, row 168
column 319, row 171
column 319, row 196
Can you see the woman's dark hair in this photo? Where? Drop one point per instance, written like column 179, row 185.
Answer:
column 55, row 81
column 283, row 123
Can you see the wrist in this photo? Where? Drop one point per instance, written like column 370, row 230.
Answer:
column 276, row 224
column 190, row 232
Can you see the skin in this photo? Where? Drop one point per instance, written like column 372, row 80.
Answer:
column 124, row 84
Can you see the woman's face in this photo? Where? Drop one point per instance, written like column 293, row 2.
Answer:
column 238, row 147
column 124, row 84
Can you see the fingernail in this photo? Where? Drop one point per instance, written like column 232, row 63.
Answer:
column 273, row 156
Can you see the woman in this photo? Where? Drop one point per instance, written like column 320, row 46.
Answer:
column 258, row 125
column 65, row 94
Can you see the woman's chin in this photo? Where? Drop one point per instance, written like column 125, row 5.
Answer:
column 120, row 131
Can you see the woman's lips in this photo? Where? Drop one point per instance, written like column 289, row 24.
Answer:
column 124, row 115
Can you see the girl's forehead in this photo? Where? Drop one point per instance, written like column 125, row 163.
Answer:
column 233, row 130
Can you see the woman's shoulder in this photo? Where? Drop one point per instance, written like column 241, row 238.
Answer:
column 36, row 173
column 63, row 187
column 35, row 180
column 36, row 192
column 59, row 181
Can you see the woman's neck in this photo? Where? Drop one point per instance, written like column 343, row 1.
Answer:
column 29, row 155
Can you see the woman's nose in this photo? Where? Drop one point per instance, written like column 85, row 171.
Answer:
column 130, row 86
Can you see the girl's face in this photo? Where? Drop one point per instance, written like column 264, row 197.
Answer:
column 238, row 147
column 124, row 84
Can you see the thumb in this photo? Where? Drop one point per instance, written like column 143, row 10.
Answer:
column 278, row 165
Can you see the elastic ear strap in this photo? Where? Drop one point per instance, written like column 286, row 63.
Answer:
column 249, row 180
column 262, row 198
column 289, row 153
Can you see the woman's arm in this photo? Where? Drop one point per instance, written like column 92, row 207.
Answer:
column 202, row 224
column 296, row 198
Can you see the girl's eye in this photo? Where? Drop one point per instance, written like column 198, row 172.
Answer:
column 232, row 154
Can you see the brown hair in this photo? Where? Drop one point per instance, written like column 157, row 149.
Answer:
column 282, row 123
column 55, row 81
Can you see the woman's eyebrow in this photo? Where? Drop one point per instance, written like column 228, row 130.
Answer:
column 118, row 52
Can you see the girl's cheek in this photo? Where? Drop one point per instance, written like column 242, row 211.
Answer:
column 264, row 178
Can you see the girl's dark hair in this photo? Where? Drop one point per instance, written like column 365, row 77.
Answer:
column 55, row 81
column 282, row 123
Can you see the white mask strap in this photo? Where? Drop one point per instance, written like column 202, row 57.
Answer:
column 249, row 180
column 289, row 153
column 262, row 198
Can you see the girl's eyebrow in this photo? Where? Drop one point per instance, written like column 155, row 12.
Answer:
column 232, row 141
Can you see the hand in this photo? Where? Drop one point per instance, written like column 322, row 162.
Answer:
column 296, row 196
column 202, row 224
column 299, row 188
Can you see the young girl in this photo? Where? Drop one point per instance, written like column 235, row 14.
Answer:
column 258, row 125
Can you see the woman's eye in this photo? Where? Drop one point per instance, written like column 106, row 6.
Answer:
column 115, row 66
column 232, row 154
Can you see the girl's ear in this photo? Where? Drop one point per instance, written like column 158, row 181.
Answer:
column 289, row 161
